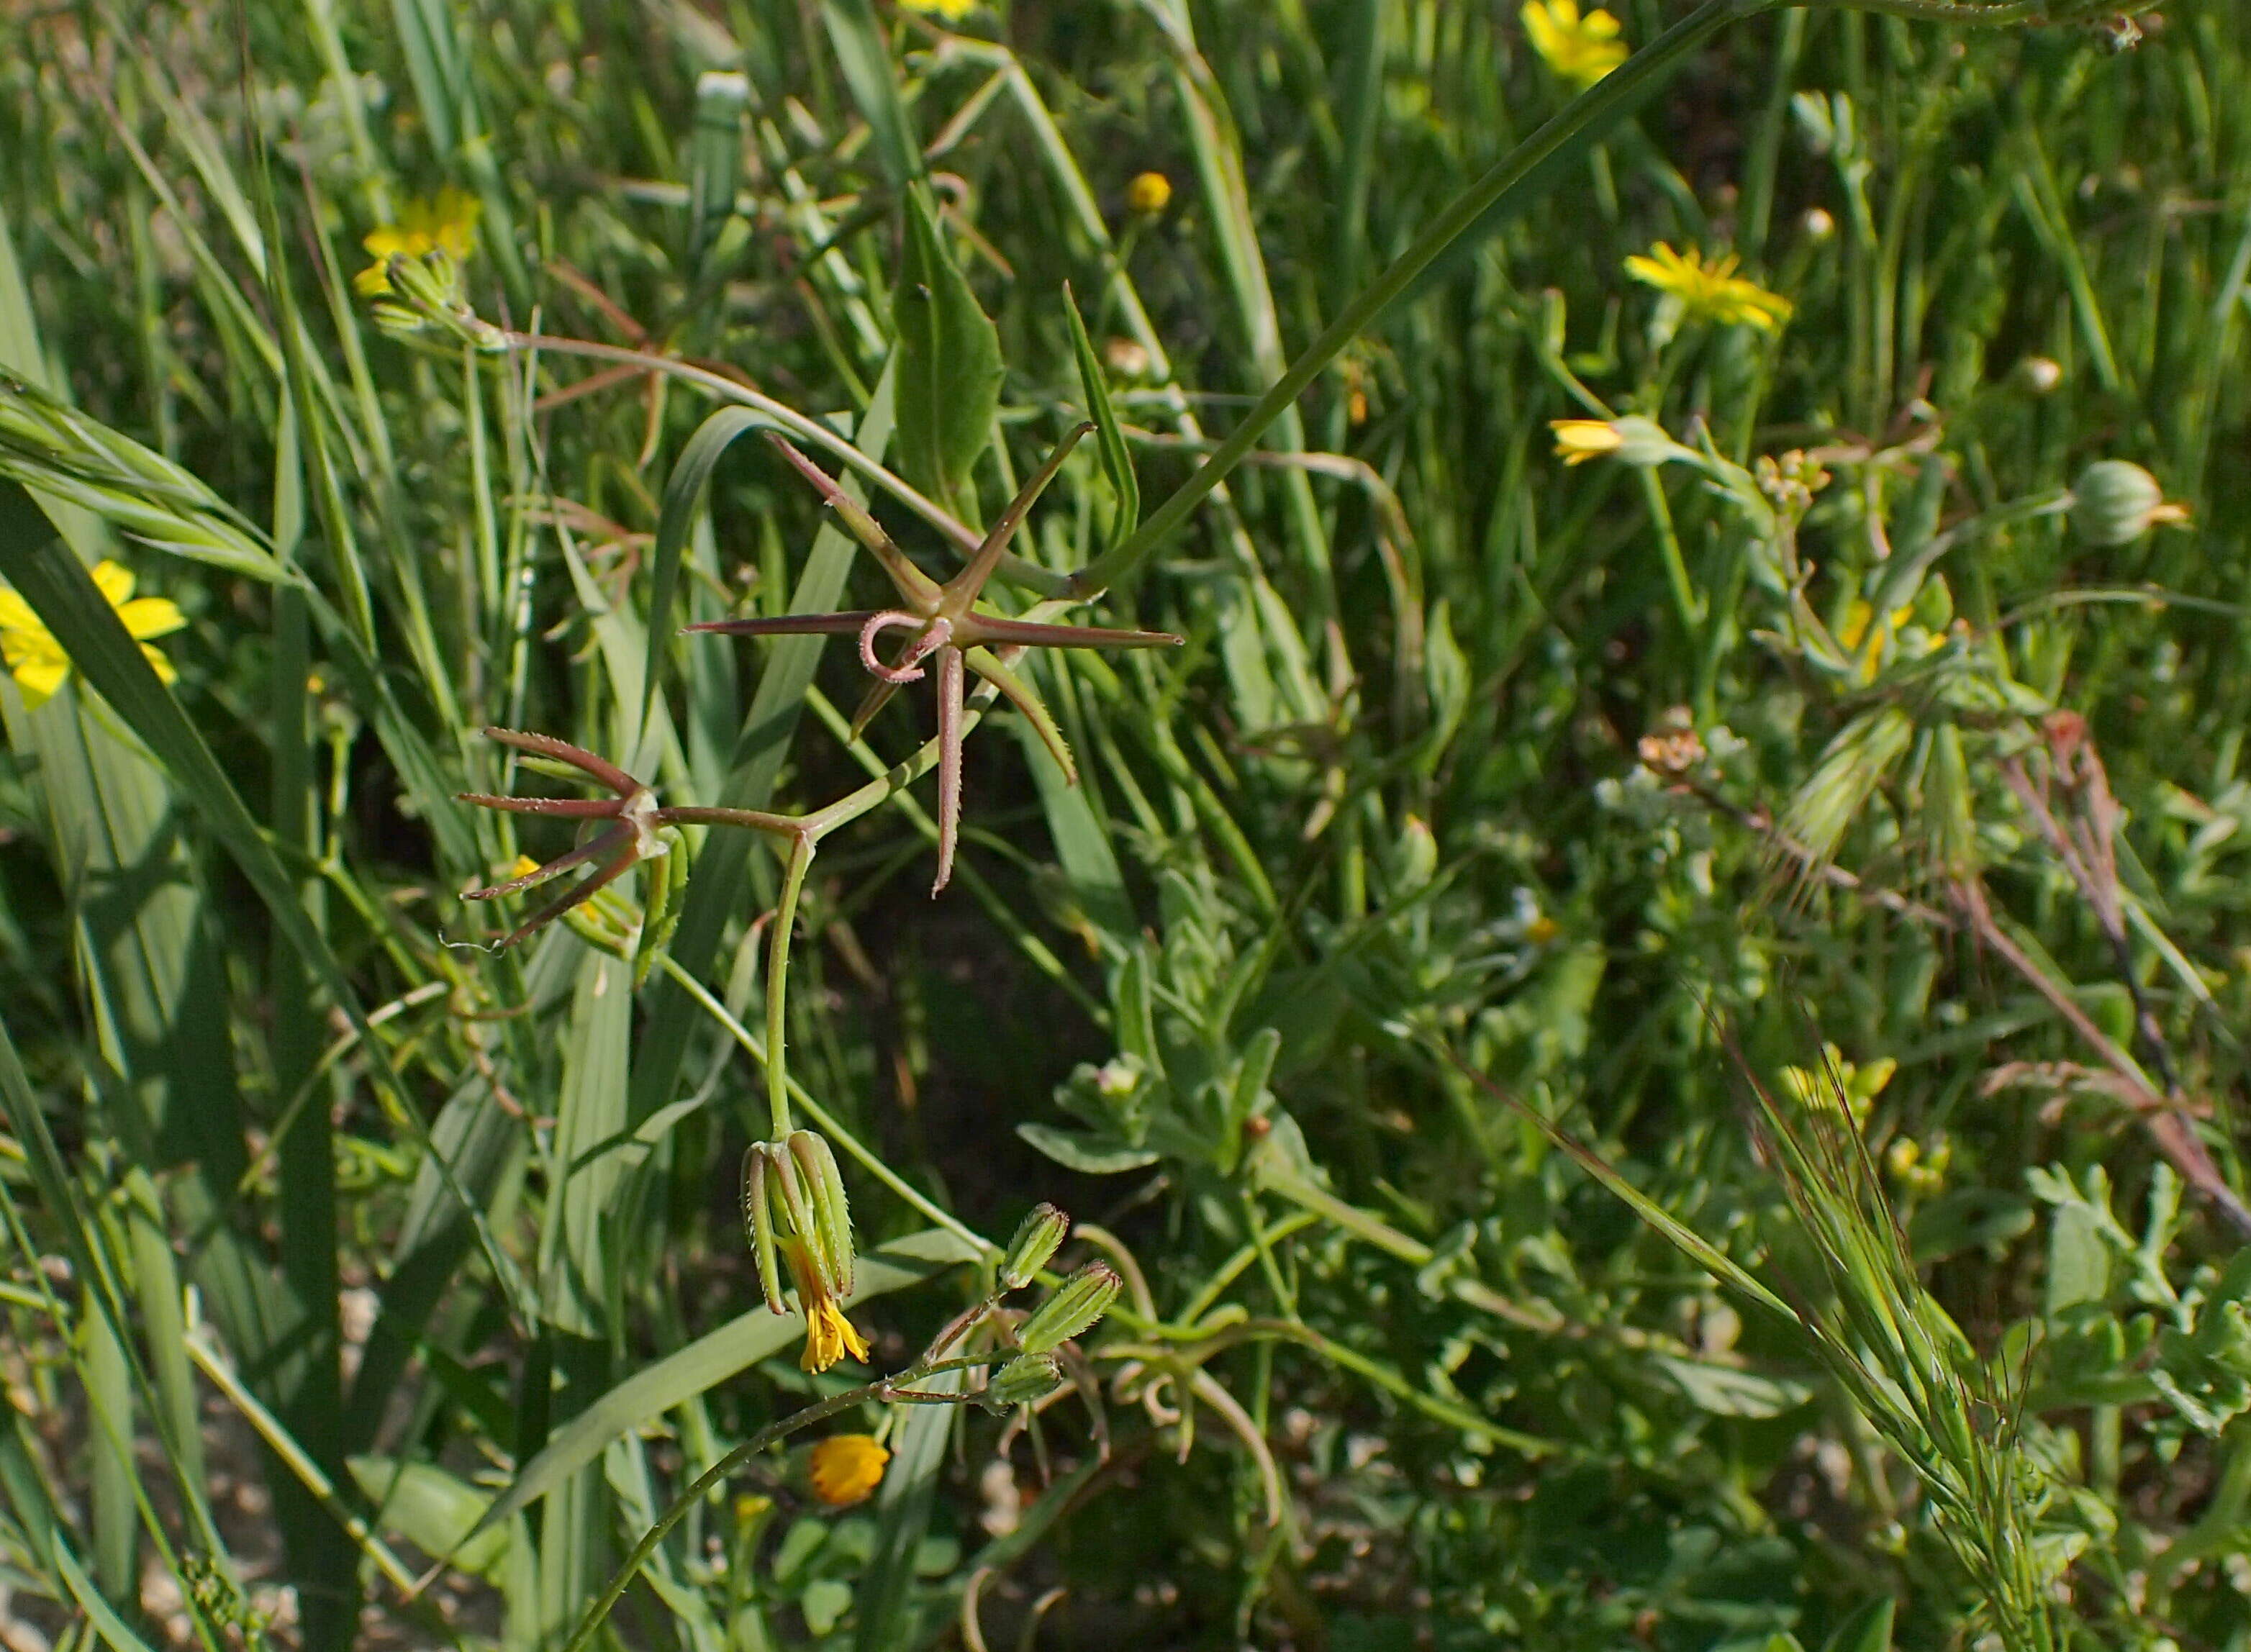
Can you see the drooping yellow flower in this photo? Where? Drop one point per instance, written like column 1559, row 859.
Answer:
column 1149, row 193
column 952, row 11
column 1580, row 50
column 1578, row 440
column 1710, row 291
column 829, row 1335
column 37, row 661
column 846, row 1468
column 447, row 223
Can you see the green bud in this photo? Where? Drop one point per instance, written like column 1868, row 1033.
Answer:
column 1037, row 1236
column 2037, row 375
column 2116, row 502
column 1414, row 857
column 1081, row 1300
column 1023, row 1380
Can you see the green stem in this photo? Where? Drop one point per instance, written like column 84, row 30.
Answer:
column 785, row 919
column 884, row 1390
column 826, row 1121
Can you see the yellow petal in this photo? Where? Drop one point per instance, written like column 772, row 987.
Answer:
column 162, row 666
column 38, row 678
column 148, row 617
column 16, row 614
column 114, row 580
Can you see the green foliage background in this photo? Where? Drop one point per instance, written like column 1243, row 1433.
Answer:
column 1396, row 991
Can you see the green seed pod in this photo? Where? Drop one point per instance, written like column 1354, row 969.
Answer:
column 2116, row 502
column 1023, row 1380
column 1037, row 1236
column 1081, row 1300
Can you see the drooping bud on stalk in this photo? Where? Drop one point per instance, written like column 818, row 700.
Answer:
column 1036, row 1239
column 1081, row 1300
column 1023, row 1381
column 794, row 1211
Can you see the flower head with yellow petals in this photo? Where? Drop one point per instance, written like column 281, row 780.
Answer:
column 1709, row 290
column 1578, row 440
column 445, row 223
column 846, row 1469
column 37, row 661
column 1581, row 50
column 952, row 11
column 828, row 1335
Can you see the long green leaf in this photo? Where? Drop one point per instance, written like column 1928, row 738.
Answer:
column 676, row 528
column 949, row 360
column 107, row 1623
column 1110, row 439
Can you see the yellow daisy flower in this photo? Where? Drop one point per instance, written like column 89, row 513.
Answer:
column 846, row 1468
column 447, row 223
column 37, row 661
column 1710, row 291
column 1580, row 50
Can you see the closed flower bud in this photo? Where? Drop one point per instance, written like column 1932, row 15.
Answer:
column 2116, row 502
column 1037, row 1236
column 1022, row 1381
column 1149, row 193
column 1081, row 1300
column 2037, row 375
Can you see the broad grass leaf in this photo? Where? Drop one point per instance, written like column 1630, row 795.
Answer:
column 434, row 1510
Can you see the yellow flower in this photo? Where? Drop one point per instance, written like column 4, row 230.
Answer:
column 1581, row 50
column 846, row 1468
column 829, row 1335
column 38, row 661
column 952, row 11
column 1149, row 193
column 1578, row 440
column 1710, row 291
column 446, row 223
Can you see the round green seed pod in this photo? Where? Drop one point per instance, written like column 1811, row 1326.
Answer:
column 2116, row 502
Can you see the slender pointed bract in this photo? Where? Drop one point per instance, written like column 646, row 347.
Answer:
column 949, row 762
column 637, row 833
column 945, row 621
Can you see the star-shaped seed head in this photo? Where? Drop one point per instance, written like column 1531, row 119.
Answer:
column 944, row 621
column 636, row 831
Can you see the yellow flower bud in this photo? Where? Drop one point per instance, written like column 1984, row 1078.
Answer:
column 1149, row 193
